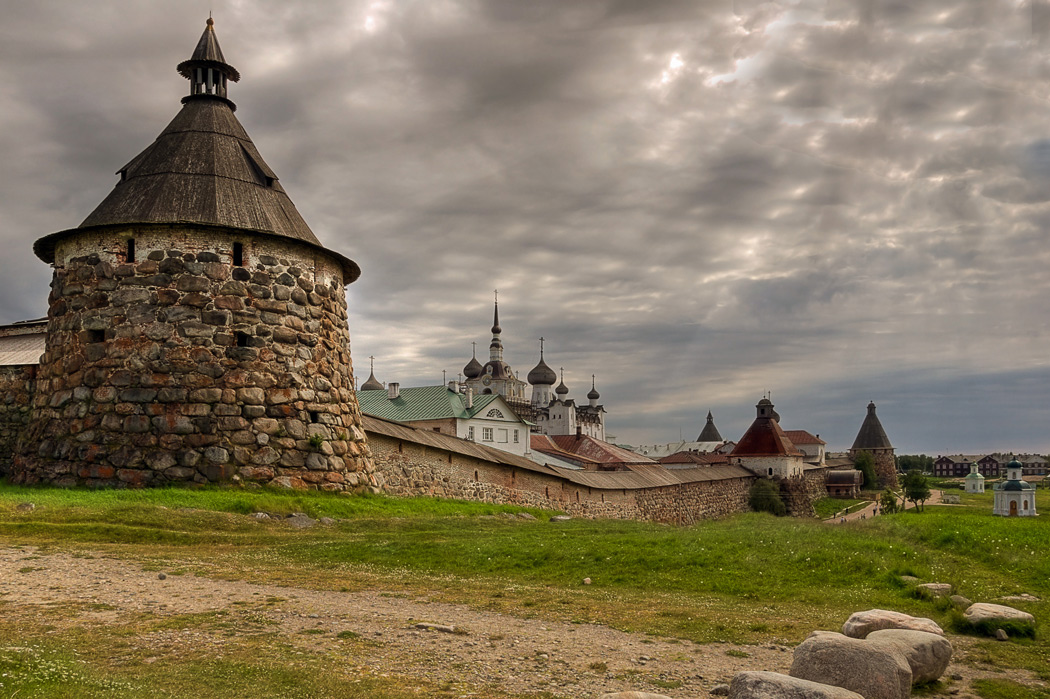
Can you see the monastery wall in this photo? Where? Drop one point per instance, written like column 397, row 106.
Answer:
column 16, row 390
column 407, row 468
column 183, row 366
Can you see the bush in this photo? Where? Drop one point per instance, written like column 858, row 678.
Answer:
column 865, row 463
column 765, row 497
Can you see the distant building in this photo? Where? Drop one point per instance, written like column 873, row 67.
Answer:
column 810, row 445
column 1013, row 496
column 958, row 465
column 765, row 449
column 587, row 453
column 548, row 409
column 709, row 440
column 974, row 481
column 487, row 419
column 872, row 439
column 844, row 483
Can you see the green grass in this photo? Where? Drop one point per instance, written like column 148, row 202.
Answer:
column 714, row 581
column 826, row 508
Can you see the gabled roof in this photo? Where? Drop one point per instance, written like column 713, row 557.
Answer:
column 428, row 403
column 693, row 457
column 803, row 437
column 596, row 450
column 871, row 435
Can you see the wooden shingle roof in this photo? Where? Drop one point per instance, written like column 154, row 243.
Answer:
column 871, row 435
column 203, row 170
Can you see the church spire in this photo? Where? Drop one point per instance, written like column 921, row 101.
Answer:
column 496, row 346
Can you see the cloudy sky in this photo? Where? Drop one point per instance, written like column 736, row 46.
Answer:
column 835, row 201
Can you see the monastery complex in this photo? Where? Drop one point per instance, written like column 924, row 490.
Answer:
column 197, row 333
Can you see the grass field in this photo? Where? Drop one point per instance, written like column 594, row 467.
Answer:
column 747, row 579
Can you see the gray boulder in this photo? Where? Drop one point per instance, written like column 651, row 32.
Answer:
column 927, row 654
column 773, row 685
column 935, row 589
column 985, row 612
column 960, row 601
column 860, row 624
column 854, row 664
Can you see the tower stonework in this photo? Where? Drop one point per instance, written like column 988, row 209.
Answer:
column 197, row 329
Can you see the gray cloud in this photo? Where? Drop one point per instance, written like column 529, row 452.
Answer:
column 697, row 202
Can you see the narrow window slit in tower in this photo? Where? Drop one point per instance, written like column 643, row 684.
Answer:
column 242, row 339
column 238, row 255
column 96, row 336
column 313, row 416
column 131, row 249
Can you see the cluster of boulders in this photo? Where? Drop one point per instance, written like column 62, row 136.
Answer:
column 880, row 654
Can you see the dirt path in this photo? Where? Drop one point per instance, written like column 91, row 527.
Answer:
column 869, row 510
column 496, row 650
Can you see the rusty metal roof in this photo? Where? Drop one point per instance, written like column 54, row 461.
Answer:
column 21, row 349
column 803, row 437
column 765, row 438
column 652, row 476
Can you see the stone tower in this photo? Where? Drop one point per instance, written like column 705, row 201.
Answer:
column 197, row 329
column 872, row 439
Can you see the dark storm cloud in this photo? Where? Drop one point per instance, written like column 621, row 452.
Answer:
column 695, row 201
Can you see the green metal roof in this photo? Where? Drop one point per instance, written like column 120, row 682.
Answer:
column 422, row 403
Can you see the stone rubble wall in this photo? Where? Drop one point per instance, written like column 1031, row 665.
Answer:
column 16, row 390
column 409, row 469
column 181, row 366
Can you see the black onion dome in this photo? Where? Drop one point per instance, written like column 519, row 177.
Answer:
column 372, row 384
column 593, row 394
column 562, row 389
column 473, row 369
column 542, row 375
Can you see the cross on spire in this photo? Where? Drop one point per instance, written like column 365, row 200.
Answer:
column 541, row 349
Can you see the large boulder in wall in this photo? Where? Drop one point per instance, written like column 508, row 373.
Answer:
column 773, row 685
column 870, row 671
column 860, row 624
column 928, row 654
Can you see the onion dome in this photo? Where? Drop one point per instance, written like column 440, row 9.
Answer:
column 202, row 171
column 562, row 389
column 593, row 393
column 473, row 369
column 372, row 384
column 541, row 374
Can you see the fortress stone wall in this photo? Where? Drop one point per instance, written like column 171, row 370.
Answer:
column 183, row 365
column 410, row 468
column 16, row 391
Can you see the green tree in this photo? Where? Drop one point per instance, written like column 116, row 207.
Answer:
column 888, row 502
column 765, row 497
column 916, row 488
column 865, row 463
column 909, row 462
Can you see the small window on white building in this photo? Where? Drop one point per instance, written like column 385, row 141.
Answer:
column 515, row 436
column 486, row 434
column 470, row 433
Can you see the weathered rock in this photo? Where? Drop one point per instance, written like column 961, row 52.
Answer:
column 443, row 628
column 773, row 685
column 928, row 654
column 301, row 521
column 720, row 690
column 25, row 507
column 854, row 664
column 1001, row 635
column 860, row 624
column 935, row 589
column 960, row 601
column 984, row 612
column 560, row 518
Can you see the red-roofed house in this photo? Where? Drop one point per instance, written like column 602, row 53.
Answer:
column 810, row 445
column 765, row 449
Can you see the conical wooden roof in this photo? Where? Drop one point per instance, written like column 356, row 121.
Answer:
column 871, row 435
column 710, row 432
column 203, row 169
